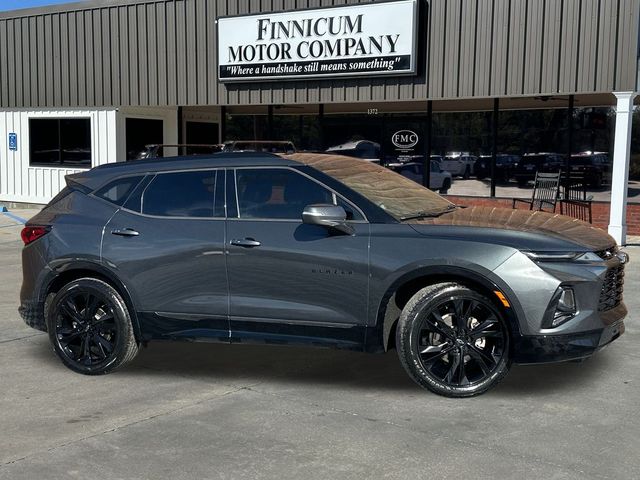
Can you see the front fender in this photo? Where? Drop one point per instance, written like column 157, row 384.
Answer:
column 439, row 271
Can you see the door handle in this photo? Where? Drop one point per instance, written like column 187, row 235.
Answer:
column 125, row 232
column 245, row 242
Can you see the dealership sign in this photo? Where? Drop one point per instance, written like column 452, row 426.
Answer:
column 366, row 39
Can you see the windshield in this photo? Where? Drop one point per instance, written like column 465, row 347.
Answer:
column 398, row 196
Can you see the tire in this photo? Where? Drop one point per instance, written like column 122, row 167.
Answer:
column 446, row 185
column 449, row 319
column 90, row 327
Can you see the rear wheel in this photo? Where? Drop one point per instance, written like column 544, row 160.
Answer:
column 90, row 327
column 453, row 341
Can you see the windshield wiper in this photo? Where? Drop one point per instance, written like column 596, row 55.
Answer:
column 423, row 214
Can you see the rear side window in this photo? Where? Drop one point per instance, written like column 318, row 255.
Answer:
column 183, row 194
column 119, row 190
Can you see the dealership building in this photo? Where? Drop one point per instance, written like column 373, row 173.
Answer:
column 90, row 83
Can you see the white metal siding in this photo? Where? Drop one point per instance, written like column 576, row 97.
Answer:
column 21, row 183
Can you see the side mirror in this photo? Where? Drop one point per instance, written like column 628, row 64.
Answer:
column 330, row 216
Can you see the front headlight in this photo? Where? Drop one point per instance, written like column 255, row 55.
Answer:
column 552, row 256
column 562, row 256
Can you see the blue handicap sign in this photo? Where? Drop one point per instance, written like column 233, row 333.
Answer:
column 13, row 141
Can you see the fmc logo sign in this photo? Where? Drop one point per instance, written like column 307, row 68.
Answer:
column 405, row 139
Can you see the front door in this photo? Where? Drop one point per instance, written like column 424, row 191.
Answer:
column 289, row 281
column 167, row 246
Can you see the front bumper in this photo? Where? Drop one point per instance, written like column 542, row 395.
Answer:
column 530, row 349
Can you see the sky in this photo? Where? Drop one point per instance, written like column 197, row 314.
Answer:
column 15, row 4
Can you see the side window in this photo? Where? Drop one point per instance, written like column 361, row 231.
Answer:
column 181, row 194
column 277, row 193
column 119, row 190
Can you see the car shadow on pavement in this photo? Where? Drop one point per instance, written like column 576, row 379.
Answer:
column 249, row 364
column 264, row 363
column 358, row 370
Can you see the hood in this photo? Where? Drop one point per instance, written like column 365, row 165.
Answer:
column 553, row 225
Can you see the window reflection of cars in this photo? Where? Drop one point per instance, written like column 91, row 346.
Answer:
column 439, row 180
column 537, row 162
column 594, row 167
column 459, row 164
column 364, row 149
column 505, row 166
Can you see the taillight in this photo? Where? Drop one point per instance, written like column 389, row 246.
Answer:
column 32, row 233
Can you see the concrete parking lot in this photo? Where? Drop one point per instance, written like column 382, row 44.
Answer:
column 184, row 411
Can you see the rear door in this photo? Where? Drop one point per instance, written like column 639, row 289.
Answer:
column 167, row 245
column 289, row 281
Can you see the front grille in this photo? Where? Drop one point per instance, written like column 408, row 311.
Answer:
column 611, row 293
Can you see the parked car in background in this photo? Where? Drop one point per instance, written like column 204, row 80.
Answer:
column 505, row 166
column 439, row 179
column 363, row 149
column 458, row 164
column 531, row 163
column 594, row 167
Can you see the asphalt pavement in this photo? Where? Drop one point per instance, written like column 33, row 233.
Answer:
column 195, row 411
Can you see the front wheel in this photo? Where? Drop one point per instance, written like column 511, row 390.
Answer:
column 453, row 341
column 90, row 327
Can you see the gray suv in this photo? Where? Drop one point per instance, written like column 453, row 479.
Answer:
column 313, row 249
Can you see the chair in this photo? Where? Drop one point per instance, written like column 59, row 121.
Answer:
column 574, row 202
column 546, row 189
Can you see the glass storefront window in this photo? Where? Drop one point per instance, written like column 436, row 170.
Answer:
column 302, row 130
column 537, row 140
column 395, row 135
column 140, row 132
column 300, row 126
column 246, row 125
column 461, row 146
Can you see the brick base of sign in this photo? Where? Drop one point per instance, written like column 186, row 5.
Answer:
column 599, row 210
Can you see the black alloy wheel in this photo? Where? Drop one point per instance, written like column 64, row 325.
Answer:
column 90, row 328
column 453, row 341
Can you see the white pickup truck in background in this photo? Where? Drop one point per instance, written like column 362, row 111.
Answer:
column 458, row 164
